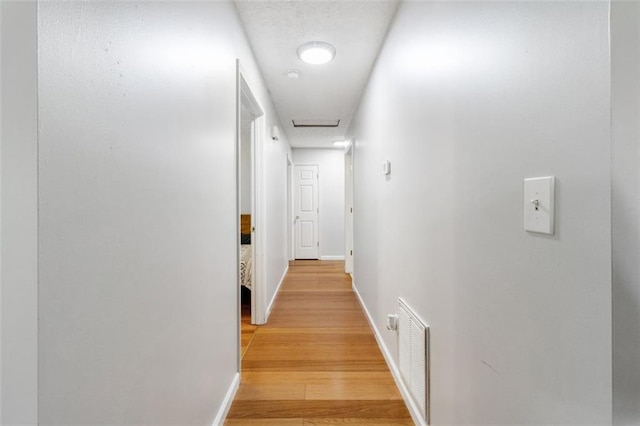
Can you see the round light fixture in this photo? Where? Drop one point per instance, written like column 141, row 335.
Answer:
column 316, row 52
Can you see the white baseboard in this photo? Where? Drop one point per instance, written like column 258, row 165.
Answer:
column 331, row 257
column 414, row 410
column 275, row 294
column 228, row 400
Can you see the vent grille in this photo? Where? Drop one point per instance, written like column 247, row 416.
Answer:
column 413, row 338
column 315, row 123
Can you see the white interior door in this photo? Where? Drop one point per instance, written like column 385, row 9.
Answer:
column 307, row 245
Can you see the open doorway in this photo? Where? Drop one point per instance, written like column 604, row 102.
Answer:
column 246, row 183
column 249, row 142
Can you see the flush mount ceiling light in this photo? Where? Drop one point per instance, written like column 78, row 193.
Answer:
column 316, row 52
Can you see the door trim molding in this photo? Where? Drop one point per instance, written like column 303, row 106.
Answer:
column 348, row 204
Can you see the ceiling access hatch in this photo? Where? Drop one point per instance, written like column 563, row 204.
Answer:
column 315, row 123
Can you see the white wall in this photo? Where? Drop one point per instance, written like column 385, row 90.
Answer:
column 331, row 197
column 466, row 100
column 138, row 213
column 625, row 75
column 1, row 139
column 1, row 334
column 275, row 225
column 19, row 221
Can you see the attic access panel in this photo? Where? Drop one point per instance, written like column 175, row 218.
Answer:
column 316, row 123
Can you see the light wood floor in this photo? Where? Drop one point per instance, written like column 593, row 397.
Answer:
column 316, row 362
column 247, row 330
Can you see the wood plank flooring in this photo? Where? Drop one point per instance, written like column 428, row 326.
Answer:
column 316, row 362
column 247, row 329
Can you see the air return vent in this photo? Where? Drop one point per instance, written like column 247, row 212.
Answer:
column 413, row 338
column 315, row 123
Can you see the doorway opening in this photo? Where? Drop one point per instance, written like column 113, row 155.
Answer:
column 247, row 301
column 250, row 131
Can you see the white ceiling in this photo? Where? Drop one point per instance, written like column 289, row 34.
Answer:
column 276, row 28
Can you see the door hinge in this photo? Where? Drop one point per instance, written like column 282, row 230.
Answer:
column 351, row 210
column 318, row 243
column 318, row 210
column 351, row 252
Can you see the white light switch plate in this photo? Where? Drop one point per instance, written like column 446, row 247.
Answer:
column 539, row 196
column 386, row 168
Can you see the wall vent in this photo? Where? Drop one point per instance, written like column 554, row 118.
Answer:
column 413, row 348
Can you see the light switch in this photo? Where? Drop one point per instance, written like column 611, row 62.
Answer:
column 539, row 196
column 386, row 168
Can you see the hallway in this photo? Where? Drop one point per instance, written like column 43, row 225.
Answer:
column 316, row 361
column 470, row 126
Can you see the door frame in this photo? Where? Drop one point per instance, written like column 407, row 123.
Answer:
column 290, row 214
column 245, row 98
column 348, row 208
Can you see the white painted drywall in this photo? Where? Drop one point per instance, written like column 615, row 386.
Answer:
column 1, row 212
column 625, row 113
column 331, row 197
column 466, row 100
column 275, row 225
column 19, row 221
column 138, row 214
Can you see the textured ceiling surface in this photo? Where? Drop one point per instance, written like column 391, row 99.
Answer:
column 356, row 28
